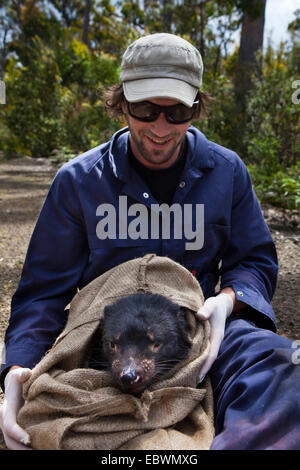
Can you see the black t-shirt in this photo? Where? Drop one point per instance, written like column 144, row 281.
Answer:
column 161, row 183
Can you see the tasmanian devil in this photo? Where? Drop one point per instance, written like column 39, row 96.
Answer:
column 140, row 337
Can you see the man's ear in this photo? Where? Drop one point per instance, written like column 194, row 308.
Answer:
column 124, row 108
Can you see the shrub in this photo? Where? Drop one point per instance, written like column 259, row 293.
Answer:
column 281, row 188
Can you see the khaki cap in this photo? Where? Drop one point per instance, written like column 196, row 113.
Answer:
column 161, row 65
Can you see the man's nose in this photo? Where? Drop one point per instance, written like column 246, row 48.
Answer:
column 161, row 127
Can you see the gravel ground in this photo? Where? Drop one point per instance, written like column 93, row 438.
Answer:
column 23, row 186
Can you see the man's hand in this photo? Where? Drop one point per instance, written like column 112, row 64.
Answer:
column 15, row 437
column 217, row 310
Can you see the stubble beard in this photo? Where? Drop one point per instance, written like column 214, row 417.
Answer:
column 154, row 156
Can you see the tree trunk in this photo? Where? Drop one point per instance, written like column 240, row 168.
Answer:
column 251, row 42
column 3, row 54
column 166, row 16
column 86, row 22
column 252, row 33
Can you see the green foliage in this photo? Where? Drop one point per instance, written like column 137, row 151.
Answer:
column 55, row 100
column 62, row 155
column 272, row 134
column 280, row 188
column 221, row 123
column 33, row 103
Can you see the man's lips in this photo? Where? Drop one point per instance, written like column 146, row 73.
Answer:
column 159, row 142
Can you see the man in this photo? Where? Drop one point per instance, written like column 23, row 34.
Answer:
column 88, row 225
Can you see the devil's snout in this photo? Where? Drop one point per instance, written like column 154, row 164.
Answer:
column 129, row 374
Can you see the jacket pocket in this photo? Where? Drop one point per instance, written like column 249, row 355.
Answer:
column 105, row 254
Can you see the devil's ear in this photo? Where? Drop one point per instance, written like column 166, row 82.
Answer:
column 183, row 321
column 110, row 310
column 98, row 331
column 107, row 309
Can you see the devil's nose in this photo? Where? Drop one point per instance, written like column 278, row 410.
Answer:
column 128, row 374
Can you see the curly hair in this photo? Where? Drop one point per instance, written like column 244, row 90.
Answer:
column 114, row 98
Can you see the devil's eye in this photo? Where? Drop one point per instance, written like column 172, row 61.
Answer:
column 112, row 345
column 155, row 346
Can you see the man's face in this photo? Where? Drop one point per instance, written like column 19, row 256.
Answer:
column 156, row 144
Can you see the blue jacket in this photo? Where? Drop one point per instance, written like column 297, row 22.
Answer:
column 65, row 253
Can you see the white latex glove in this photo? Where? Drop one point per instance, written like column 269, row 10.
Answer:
column 15, row 437
column 216, row 309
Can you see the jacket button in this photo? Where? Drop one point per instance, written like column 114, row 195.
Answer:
column 146, row 195
column 182, row 184
column 240, row 293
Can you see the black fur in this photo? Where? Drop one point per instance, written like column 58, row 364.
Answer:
column 140, row 337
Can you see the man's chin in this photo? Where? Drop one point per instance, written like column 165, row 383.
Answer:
column 159, row 156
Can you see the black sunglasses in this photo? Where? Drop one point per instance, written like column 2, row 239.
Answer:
column 148, row 112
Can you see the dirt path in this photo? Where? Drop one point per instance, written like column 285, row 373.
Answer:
column 23, row 186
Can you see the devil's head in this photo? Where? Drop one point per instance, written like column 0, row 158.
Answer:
column 142, row 336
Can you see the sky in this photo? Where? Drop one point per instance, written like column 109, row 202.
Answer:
column 279, row 13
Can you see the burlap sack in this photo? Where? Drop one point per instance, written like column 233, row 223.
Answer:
column 69, row 406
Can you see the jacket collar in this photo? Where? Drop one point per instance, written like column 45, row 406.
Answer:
column 199, row 153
